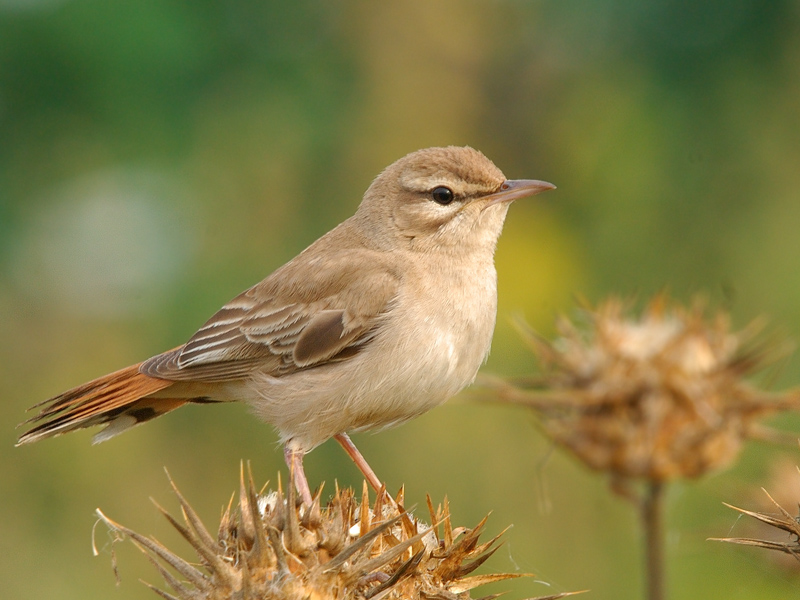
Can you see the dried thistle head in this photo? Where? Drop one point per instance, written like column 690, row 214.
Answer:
column 771, row 518
column 655, row 396
column 271, row 546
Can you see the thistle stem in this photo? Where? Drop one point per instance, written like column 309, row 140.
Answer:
column 652, row 510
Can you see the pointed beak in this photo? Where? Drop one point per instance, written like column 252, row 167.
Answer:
column 513, row 189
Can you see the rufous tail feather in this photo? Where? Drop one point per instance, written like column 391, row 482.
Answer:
column 119, row 400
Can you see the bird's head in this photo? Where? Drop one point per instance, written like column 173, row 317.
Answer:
column 452, row 197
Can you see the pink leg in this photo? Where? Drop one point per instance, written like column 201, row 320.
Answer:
column 361, row 463
column 294, row 460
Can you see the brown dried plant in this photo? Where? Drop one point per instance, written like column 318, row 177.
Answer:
column 272, row 546
column 780, row 521
column 651, row 398
column 658, row 397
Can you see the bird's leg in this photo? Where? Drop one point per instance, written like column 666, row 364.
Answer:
column 360, row 461
column 294, row 460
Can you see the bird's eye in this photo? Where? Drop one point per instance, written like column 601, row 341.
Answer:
column 442, row 195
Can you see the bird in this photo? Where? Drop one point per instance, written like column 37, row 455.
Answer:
column 381, row 319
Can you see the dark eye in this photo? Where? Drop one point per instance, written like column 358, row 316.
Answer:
column 442, row 195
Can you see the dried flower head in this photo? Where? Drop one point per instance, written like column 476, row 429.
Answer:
column 656, row 396
column 783, row 520
column 786, row 482
column 272, row 546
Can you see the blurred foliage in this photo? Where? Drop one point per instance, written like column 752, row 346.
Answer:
column 158, row 157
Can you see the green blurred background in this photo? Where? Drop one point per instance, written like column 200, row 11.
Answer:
column 157, row 157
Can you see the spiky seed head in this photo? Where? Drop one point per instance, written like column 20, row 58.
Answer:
column 773, row 520
column 655, row 396
column 271, row 546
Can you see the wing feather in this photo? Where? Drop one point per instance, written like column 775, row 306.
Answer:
column 286, row 323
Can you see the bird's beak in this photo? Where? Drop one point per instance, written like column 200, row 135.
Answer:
column 513, row 189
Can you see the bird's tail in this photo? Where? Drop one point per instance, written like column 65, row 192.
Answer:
column 119, row 400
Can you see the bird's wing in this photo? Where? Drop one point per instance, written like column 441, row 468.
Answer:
column 295, row 319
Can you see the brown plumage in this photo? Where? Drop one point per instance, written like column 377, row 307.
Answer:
column 378, row 321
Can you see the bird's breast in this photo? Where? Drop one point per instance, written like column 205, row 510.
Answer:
column 429, row 345
column 445, row 329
